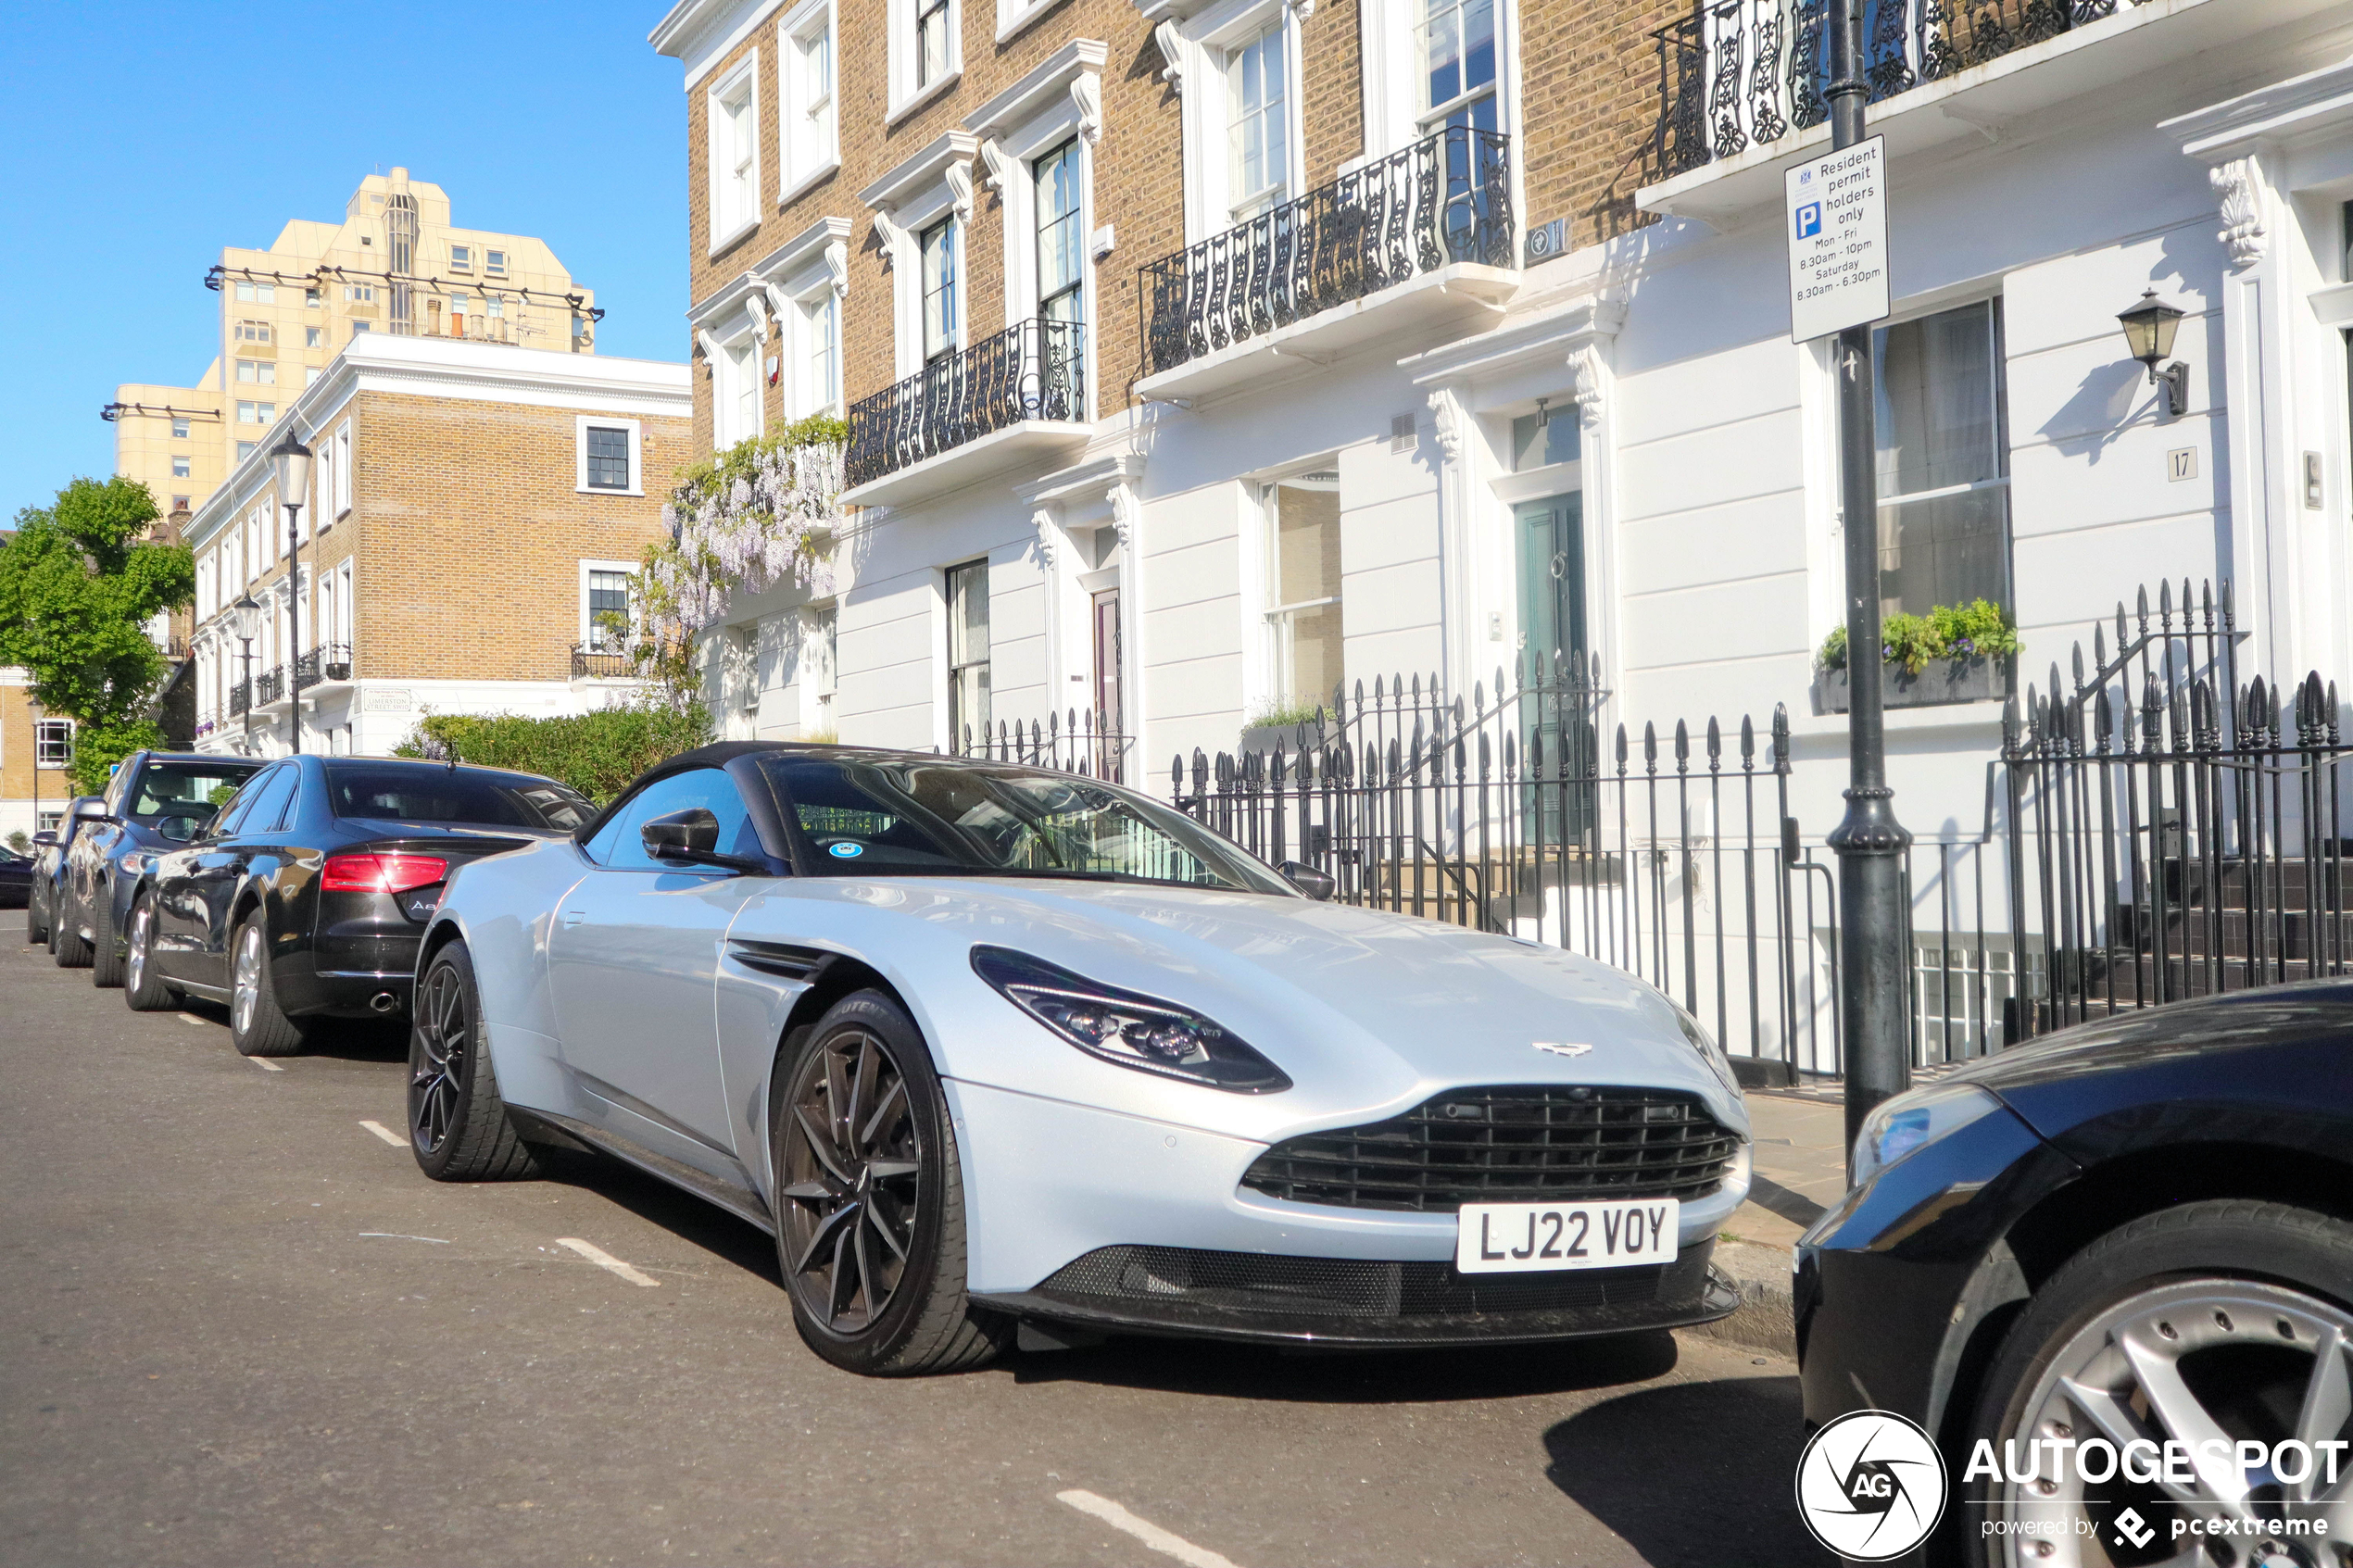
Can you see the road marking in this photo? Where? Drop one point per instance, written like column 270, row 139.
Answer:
column 192, row 1018
column 395, row 1236
column 385, row 1132
column 606, row 1261
column 265, row 1064
column 1143, row 1530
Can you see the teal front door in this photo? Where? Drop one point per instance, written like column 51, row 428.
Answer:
column 1555, row 722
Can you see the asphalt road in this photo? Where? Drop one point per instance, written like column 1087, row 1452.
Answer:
column 240, row 1327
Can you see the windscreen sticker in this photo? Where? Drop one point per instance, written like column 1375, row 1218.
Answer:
column 847, row 851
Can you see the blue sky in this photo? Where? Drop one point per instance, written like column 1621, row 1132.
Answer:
column 143, row 138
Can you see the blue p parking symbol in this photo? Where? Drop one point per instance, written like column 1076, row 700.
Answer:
column 1809, row 220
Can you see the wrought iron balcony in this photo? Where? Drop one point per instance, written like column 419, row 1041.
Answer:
column 593, row 662
column 1446, row 199
column 1737, row 74
column 1032, row 370
column 240, row 697
column 269, row 686
column 331, row 661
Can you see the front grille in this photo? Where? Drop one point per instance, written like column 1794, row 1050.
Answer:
column 1187, row 1284
column 1504, row 1146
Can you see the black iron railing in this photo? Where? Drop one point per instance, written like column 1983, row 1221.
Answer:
column 591, row 662
column 269, row 686
column 1446, row 199
column 330, row 661
column 1034, row 370
column 1078, row 741
column 2145, row 837
column 1741, row 73
column 240, row 697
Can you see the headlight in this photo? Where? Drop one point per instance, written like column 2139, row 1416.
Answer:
column 137, row 861
column 1704, row 1043
column 1122, row 1027
column 1910, row 1122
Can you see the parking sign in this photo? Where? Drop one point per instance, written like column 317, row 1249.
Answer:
column 1837, row 240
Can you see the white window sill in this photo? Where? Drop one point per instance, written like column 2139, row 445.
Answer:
column 923, row 97
column 344, row 513
column 602, row 490
column 1012, row 27
column 800, row 187
column 720, row 244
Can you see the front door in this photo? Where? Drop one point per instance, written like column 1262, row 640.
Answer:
column 1552, row 617
column 1107, row 710
column 632, row 963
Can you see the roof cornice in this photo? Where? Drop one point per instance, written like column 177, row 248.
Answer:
column 702, row 32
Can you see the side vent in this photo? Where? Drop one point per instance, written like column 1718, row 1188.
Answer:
column 780, row 959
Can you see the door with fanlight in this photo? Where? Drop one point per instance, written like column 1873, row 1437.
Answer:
column 1556, row 721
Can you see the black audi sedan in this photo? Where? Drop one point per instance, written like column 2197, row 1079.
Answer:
column 16, row 879
column 154, row 801
column 304, row 899
column 49, row 847
column 2063, row 1259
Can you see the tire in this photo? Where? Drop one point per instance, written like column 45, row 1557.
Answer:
column 893, row 1184
column 106, row 954
column 2223, row 1303
column 459, row 1128
column 258, row 1026
column 143, row 989
column 65, row 945
column 36, row 929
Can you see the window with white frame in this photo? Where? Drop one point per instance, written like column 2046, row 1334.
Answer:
column 179, row 467
column 314, row 337
column 967, row 653
column 179, row 428
column 820, row 650
column 821, row 362
column 359, row 294
column 343, row 468
column 925, row 49
column 931, row 41
column 806, row 93
column 1944, row 468
column 1304, row 579
column 605, row 612
column 256, row 414
column 257, row 372
column 1061, row 246
column 608, row 456
column 247, row 449
column 342, row 602
column 941, row 317
column 495, row 263
column 249, row 330
column 461, row 258
column 251, row 293
column 735, row 404
column 52, row 743
column 1455, row 45
column 1257, row 124
column 733, row 107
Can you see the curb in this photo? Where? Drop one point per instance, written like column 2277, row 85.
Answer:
column 1765, row 1319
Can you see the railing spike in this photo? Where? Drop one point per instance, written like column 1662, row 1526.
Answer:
column 2141, row 605
column 1621, row 748
column 1781, row 735
column 2009, row 724
column 1748, row 741
column 2078, row 656
column 2165, row 602
column 1650, row 746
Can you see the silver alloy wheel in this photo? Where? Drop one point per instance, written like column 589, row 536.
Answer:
column 143, row 921
column 2194, row 1359
column 244, row 994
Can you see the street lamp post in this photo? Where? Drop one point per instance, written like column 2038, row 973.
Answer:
column 291, row 458
column 1870, row 842
column 245, row 620
column 33, row 711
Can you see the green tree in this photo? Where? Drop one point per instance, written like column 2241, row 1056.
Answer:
column 78, row 586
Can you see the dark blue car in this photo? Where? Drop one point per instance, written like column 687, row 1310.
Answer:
column 154, row 801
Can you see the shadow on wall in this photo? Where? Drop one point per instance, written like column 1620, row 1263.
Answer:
column 1716, row 1448
column 2098, row 414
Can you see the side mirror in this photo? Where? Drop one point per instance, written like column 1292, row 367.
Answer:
column 92, row 810
column 1316, row 885
column 691, row 838
column 44, row 838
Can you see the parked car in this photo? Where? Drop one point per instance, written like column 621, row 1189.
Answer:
column 995, row 1052
column 2138, row 1229
column 49, row 847
column 15, row 879
column 305, row 898
column 156, row 800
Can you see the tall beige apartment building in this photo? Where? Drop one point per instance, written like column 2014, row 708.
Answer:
column 394, row 263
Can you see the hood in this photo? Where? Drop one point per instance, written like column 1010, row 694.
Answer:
column 1357, row 1002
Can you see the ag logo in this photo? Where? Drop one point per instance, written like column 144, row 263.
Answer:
column 1574, row 1048
column 1870, row 1486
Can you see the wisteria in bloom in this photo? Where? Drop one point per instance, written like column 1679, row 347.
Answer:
column 757, row 521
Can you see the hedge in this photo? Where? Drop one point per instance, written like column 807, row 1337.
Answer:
column 596, row 754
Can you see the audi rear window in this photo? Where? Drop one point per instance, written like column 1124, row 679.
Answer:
column 433, row 793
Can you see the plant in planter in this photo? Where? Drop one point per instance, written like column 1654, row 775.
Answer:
column 1278, row 724
column 1954, row 653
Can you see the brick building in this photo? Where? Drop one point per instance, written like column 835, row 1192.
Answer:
column 473, row 509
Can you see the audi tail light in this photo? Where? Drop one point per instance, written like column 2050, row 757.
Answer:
column 380, row 874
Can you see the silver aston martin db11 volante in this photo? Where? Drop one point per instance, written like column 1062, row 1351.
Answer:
column 997, row 1052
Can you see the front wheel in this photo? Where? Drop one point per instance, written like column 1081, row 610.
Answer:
column 143, row 985
column 65, row 945
column 459, row 1128
column 870, row 1232
column 2227, row 1319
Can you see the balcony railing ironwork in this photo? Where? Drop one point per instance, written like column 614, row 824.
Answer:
column 269, row 686
column 240, row 697
column 332, row 661
column 1034, row 370
column 1446, row 199
column 591, row 662
column 1736, row 74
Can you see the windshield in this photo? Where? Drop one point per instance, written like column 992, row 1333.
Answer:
column 177, row 800
column 869, row 817
column 430, row 792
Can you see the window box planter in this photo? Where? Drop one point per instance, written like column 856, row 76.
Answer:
column 1262, row 739
column 1944, row 681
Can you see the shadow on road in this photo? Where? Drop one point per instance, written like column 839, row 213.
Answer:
column 1251, row 1371
column 1713, row 1448
column 685, row 1216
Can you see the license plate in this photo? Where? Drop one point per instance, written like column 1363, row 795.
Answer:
column 1507, row 1238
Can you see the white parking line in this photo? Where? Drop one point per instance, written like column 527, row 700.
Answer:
column 1144, row 1530
column 606, row 1261
column 402, row 1235
column 192, row 1018
column 265, row 1064
column 385, row 1132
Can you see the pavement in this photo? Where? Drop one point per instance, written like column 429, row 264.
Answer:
column 237, row 1326
column 1800, row 1154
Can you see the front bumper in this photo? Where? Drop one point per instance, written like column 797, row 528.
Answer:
column 1099, row 1218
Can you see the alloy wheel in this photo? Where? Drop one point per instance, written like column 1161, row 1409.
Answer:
column 143, row 921
column 444, row 1036
column 2199, row 1359
column 852, row 1183
column 244, row 983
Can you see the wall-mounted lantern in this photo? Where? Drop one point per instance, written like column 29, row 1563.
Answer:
column 2149, row 328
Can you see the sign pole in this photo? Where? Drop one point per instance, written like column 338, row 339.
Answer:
column 1870, row 844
